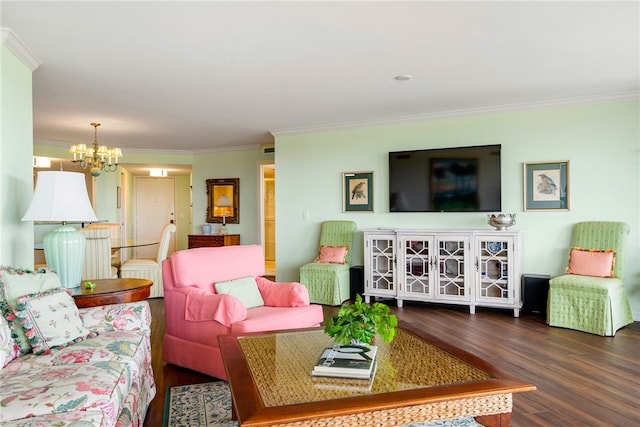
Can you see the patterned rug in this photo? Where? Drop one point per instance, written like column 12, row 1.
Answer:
column 209, row 405
column 198, row 405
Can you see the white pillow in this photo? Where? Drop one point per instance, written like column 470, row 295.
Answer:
column 245, row 289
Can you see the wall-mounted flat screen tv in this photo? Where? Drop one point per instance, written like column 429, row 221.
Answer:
column 461, row 179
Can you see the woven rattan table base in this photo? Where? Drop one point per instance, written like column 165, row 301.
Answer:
column 447, row 410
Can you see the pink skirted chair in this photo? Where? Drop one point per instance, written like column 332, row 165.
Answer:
column 216, row 291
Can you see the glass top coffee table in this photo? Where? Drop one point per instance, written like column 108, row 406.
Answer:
column 418, row 378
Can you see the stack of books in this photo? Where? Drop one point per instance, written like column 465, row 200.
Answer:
column 344, row 384
column 346, row 361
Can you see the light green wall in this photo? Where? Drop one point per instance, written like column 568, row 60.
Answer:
column 602, row 143
column 16, row 170
column 230, row 164
column 105, row 199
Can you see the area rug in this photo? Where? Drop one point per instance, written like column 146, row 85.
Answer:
column 198, row 405
column 209, row 405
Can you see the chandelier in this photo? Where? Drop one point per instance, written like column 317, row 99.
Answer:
column 97, row 158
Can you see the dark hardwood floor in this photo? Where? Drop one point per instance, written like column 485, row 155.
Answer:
column 581, row 379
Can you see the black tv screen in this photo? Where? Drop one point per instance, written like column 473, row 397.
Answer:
column 461, row 179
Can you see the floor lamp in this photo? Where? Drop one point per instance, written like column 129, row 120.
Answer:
column 62, row 197
column 224, row 203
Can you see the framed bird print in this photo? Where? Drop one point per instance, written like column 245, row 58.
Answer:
column 546, row 186
column 357, row 192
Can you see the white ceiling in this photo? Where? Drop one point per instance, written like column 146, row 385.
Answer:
column 205, row 76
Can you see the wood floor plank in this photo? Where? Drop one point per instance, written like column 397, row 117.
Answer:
column 582, row 379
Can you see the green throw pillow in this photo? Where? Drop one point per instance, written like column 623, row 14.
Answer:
column 245, row 289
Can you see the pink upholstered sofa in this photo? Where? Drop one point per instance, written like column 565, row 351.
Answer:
column 196, row 315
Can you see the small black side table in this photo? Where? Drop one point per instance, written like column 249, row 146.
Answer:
column 356, row 281
column 535, row 291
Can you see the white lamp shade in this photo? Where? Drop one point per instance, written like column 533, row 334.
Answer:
column 60, row 197
column 223, row 202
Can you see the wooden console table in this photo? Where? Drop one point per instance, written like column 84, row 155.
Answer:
column 213, row 240
column 112, row 291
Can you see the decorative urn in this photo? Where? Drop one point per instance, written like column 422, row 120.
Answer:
column 501, row 221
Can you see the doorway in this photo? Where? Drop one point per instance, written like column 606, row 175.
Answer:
column 268, row 216
column 154, row 208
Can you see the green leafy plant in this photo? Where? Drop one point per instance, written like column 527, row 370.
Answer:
column 361, row 322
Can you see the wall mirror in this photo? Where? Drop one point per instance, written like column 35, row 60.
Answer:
column 223, row 195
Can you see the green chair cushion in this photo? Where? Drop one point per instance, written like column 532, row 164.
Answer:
column 597, row 285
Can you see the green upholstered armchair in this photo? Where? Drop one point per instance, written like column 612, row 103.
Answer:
column 597, row 305
column 328, row 283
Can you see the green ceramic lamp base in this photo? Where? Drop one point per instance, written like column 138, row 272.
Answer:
column 64, row 252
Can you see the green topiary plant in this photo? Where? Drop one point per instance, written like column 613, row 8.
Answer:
column 360, row 322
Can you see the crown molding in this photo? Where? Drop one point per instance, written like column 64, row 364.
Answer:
column 19, row 49
column 229, row 148
column 65, row 145
column 559, row 102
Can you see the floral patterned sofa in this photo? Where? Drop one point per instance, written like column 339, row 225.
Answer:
column 101, row 378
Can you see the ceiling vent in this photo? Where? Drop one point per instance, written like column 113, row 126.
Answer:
column 268, row 148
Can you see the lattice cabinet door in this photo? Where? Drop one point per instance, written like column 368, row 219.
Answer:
column 453, row 261
column 416, row 269
column 379, row 265
column 497, row 270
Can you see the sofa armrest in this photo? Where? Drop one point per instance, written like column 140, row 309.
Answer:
column 291, row 294
column 202, row 306
column 133, row 316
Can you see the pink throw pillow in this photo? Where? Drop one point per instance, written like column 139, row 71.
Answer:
column 591, row 262
column 332, row 254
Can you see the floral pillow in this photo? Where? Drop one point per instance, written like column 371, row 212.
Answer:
column 51, row 320
column 15, row 283
column 332, row 254
column 9, row 348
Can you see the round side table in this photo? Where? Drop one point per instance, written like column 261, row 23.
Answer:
column 112, row 291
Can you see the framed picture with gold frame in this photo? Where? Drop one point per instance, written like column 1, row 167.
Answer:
column 223, row 200
column 357, row 191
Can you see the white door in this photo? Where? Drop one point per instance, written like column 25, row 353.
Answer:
column 154, row 208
